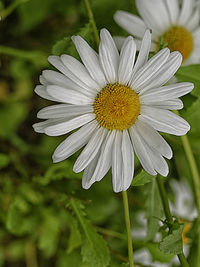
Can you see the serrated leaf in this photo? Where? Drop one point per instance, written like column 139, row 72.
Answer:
column 154, row 210
column 157, row 254
column 172, row 244
column 94, row 248
column 190, row 74
column 66, row 46
column 142, row 178
column 75, row 236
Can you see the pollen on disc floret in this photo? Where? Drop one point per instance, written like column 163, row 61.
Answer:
column 178, row 38
column 116, row 107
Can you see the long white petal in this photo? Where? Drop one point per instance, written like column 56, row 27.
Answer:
column 90, row 60
column 186, row 11
column 68, row 126
column 74, row 142
column 105, row 157
column 140, row 149
column 79, row 70
column 108, row 56
column 150, row 68
column 154, row 13
column 164, row 120
column 173, row 9
column 166, row 92
column 164, row 73
column 91, row 149
column 127, row 58
column 63, row 111
column 193, row 22
column 117, row 163
column 131, row 23
column 128, row 160
column 143, row 53
column 41, row 91
column 153, row 138
column 69, row 96
column 172, row 104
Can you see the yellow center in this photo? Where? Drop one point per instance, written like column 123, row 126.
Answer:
column 116, row 107
column 179, row 39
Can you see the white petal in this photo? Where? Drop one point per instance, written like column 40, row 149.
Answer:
column 119, row 40
column 153, row 138
column 117, row 163
column 39, row 127
column 91, row 149
column 173, row 10
column 68, row 126
column 104, row 162
column 172, row 104
column 164, row 73
column 90, row 60
column 193, row 22
column 154, row 13
column 164, row 120
column 43, row 81
column 131, row 23
column 143, row 53
column 128, row 160
column 108, row 56
column 54, row 77
column 166, row 92
column 79, row 70
column 149, row 69
column 41, row 91
column 127, row 58
column 63, row 111
column 88, row 172
column 68, row 95
column 74, row 142
column 140, row 149
column 186, row 11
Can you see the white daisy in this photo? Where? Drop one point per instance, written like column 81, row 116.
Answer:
column 172, row 24
column 118, row 106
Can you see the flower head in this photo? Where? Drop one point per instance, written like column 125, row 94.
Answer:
column 172, row 25
column 118, row 103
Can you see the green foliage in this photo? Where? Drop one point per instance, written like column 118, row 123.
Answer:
column 66, row 46
column 94, row 249
column 142, row 178
column 172, row 244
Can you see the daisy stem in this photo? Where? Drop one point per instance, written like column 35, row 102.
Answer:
column 128, row 227
column 196, row 183
column 168, row 215
column 92, row 21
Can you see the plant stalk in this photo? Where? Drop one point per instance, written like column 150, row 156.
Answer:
column 128, row 228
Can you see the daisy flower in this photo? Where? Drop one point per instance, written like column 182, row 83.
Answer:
column 173, row 25
column 117, row 103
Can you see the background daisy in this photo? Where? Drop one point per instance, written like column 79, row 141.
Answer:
column 172, row 24
column 118, row 103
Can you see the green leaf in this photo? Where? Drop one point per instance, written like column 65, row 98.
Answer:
column 94, row 248
column 75, row 236
column 48, row 238
column 172, row 244
column 4, row 160
column 192, row 115
column 154, row 210
column 190, row 74
column 66, row 46
column 142, row 178
column 158, row 255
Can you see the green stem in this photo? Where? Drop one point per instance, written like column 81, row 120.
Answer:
column 92, row 21
column 196, row 184
column 128, row 228
column 36, row 56
column 168, row 215
column 7, row 11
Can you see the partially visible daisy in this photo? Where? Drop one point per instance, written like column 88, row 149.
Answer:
column 172, row 24
column 117, row 103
